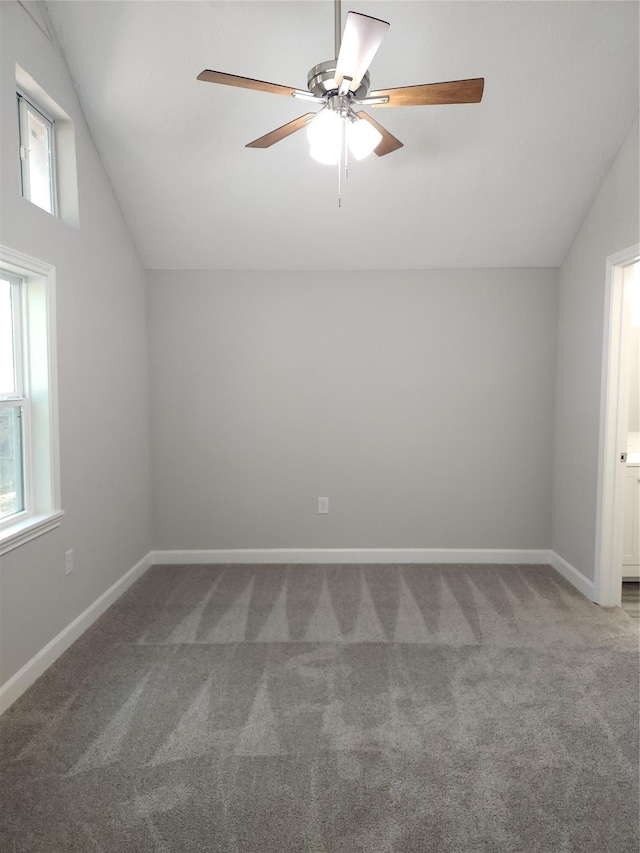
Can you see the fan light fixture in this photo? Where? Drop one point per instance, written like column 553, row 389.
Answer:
column 329, row 131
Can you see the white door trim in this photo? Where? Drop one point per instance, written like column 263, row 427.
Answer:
column 608, row 556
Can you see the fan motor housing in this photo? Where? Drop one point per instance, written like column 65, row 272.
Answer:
column 321, row 79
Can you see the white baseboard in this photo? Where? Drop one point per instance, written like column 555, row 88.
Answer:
column 570, row 573
column 33, row 669
column 353, row 555
column 475, row 556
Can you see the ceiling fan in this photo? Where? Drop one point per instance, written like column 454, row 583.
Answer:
column 340, row 87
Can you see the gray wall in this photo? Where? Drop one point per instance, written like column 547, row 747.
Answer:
column 610, row 226
column 420, row 403
column 102, row 372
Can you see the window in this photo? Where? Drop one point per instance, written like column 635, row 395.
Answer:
column 29, row 466
column 36, row 155
column 13, row 403
column 47, row 140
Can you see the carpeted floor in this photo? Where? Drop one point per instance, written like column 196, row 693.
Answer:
column 335, row 709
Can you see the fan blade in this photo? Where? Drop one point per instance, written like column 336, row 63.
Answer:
column 361, row 39
column 270, row 139
column 388, row 143
column 455, row 92
column 244, row 82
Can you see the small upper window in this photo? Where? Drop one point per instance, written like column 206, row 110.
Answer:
column 36, row 155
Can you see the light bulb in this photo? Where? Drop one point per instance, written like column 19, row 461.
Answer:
column 325, row 137
column 363, row 137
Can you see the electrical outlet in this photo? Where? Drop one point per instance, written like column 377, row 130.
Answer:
column 68, row 562
column 323, row 505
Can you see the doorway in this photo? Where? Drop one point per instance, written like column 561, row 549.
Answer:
column 617, row 406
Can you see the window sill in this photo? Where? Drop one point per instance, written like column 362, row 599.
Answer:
column 30, row 528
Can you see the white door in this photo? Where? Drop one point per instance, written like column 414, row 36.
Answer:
column 621, row 283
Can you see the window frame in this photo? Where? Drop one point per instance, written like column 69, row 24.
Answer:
column 20, row 397
column 26, row 103
column 41, row 475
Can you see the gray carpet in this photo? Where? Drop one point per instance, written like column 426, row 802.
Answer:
column 335, row 709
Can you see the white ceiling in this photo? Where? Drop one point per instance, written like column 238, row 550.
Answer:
column 502, row 183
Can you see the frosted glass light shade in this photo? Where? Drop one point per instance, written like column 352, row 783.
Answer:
column 325, row 137
column 363, row 138
column 329, row 155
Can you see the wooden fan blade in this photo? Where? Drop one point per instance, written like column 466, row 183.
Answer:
column 244, row 82
column 279, row 133
column 455, row 92
column 388, row 143
column 361, row 39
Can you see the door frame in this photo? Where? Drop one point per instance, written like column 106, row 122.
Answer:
column 613, row 405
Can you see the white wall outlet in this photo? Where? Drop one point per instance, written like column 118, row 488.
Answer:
column 323, row 505
column 68, row 562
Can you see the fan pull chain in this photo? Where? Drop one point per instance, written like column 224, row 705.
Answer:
column 345, row 149
column 340, row 162
column 343, row 162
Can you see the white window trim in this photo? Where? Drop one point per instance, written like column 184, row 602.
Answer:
column 44, row 510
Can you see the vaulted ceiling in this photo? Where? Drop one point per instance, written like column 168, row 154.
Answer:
column 502, row 183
